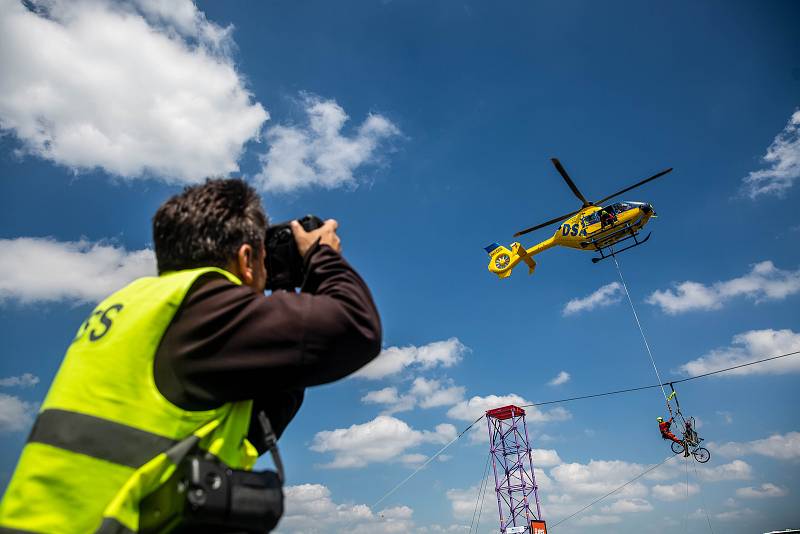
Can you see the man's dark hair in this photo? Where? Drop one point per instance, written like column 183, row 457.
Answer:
column 205, row 225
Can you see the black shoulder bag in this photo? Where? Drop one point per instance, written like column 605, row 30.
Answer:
column 205, row 496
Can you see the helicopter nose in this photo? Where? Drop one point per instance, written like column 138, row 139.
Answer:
column 647, row 208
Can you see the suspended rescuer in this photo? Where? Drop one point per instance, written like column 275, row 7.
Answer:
column 166, row 395
column 663, row 427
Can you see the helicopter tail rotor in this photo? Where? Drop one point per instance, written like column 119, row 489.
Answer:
column 502, row 260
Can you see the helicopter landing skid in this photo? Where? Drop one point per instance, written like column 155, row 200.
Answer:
column 612, row 252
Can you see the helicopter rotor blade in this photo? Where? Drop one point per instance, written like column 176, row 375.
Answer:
column 634, row 186
column 548, row 223
column 563, row 172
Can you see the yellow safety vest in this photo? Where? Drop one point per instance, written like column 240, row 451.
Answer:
column 105, row 436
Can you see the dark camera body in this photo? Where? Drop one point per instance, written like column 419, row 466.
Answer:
column 283, row 261
column 204, row 496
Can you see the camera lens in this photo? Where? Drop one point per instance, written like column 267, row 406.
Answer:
column 285, row 234
column 213, row 481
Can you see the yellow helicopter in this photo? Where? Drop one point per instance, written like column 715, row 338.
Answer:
column 592, row 227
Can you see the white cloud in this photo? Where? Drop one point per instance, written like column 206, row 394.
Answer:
column 390, row 361
column 605, row 296
column 311, row 510
column 437, row 529
column 698, row 513
column 727, row 417
column 384, row 439
column 318, row 153
column 783, row 160
column 36, row 270
column 390, row 398
column 748, row 347
column 545, row 457
column 138, row 89
column 594, row 520
column 735, row 515
column 184, row 18
column 736, row 470
column 413, row 460
column 561, row 378
column 766, row 490
column 554, row 498
column 598, row 477
column 15, row 413
column 463, row 501
column 425, row 393
column 543, row 481
column 26, row 380
column 472, row 409
column 777, row 446
column 674, row 492
column 573, row 485
column 627, row 506
column 433, row 393
column 386, row 395
column 763, row 282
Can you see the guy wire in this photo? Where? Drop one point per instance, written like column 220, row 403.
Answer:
column 429, row 460
column 484, row 479
column 483, row 499
column 612, row 492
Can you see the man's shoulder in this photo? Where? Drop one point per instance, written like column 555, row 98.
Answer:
column 214, row 285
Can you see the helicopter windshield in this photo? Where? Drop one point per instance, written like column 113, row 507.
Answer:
column 619, row 207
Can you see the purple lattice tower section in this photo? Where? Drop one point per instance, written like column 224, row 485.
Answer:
column 514, row 479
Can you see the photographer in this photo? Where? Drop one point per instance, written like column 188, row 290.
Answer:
column 183, row 364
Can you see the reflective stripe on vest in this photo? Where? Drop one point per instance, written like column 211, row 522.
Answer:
column 106, row 437
column 98, row 438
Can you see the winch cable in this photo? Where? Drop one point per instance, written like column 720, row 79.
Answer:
column 639, row 324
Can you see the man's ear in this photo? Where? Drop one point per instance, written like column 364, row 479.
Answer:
column 245, row 260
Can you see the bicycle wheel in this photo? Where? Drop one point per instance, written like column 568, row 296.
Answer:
column 701, row 454
column 677, row 448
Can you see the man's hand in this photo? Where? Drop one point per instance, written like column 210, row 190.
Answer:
column 326, row 234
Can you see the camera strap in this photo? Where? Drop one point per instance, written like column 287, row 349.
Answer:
column 271, row 442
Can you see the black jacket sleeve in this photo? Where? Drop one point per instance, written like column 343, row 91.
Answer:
column 230, row 343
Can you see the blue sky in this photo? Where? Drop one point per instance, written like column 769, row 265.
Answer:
column 426, row 129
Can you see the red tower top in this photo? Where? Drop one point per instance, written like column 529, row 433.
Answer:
column 506, row 412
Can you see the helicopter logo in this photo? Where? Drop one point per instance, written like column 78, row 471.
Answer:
column 592, row 227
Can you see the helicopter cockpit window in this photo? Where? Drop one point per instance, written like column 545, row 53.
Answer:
column 619, row 207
